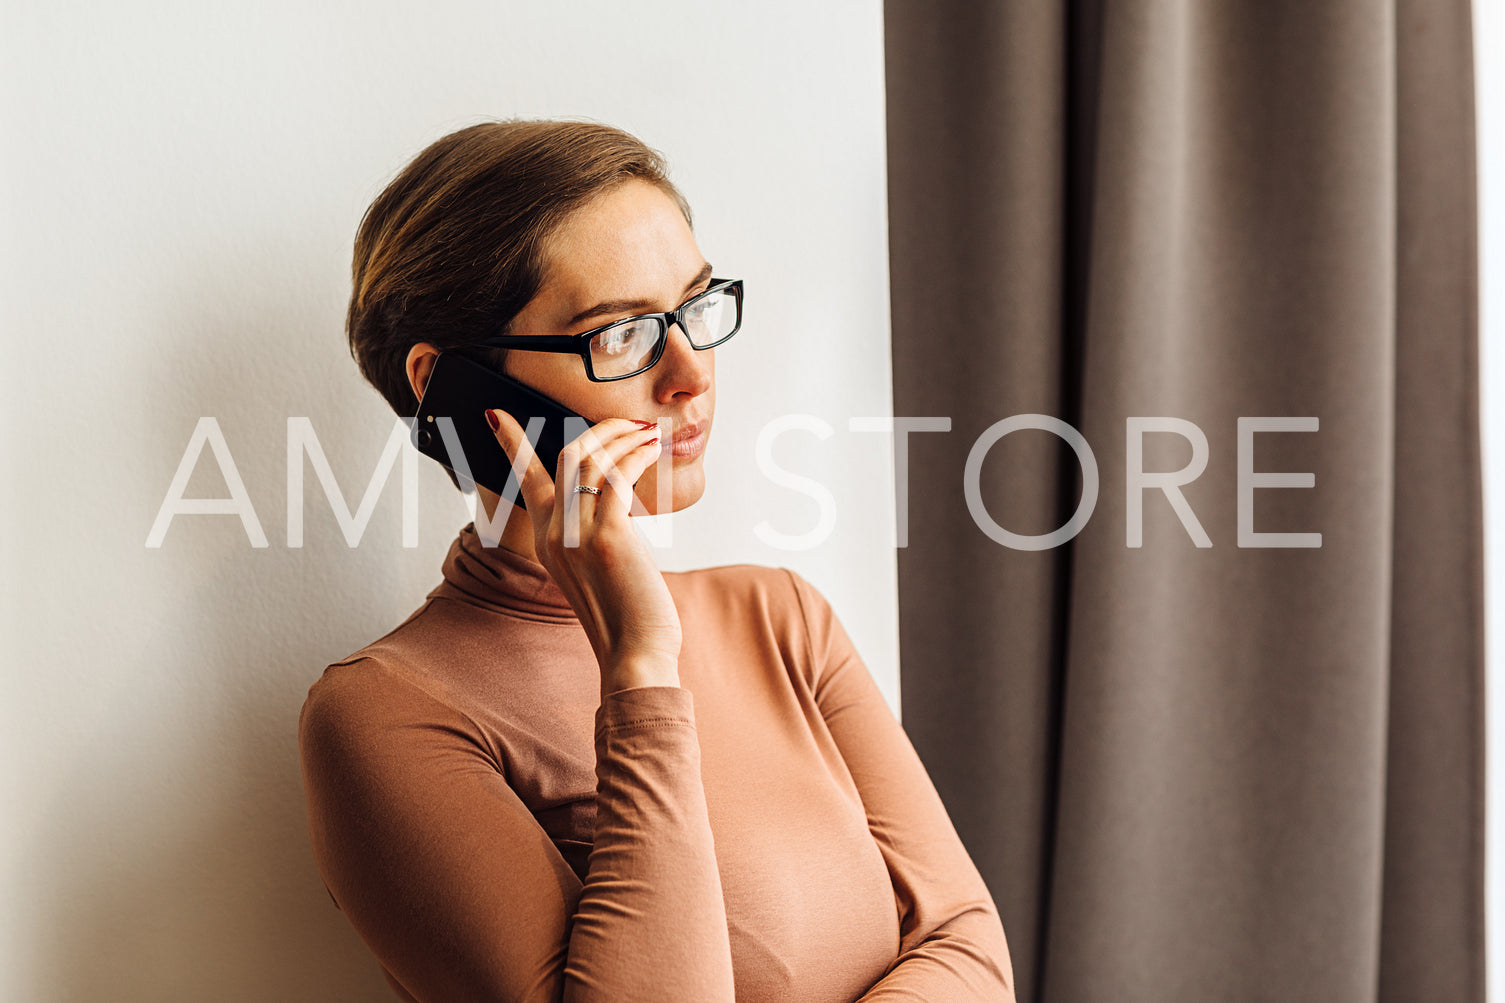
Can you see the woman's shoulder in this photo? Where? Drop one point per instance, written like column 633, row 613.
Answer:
column 386, row 677
column 781, row 594
column 369, row 684
column 755, row 608
column 724, row 579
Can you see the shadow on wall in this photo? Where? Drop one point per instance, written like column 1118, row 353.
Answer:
column 173, row 857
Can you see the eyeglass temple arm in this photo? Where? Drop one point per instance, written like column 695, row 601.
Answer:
column 537, row 342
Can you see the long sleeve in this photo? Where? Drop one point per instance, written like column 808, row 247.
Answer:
column 952, row 946
column 457, row 889
column 651, row 923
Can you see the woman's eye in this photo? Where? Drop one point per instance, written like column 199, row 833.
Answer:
column 618, row 339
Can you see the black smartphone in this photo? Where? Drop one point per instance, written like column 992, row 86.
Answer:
column 451, row 425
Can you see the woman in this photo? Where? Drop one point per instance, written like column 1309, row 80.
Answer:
column 567, row 774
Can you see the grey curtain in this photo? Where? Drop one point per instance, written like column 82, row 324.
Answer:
column 1198, row 773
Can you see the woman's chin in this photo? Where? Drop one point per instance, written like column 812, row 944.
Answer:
column 688, row 485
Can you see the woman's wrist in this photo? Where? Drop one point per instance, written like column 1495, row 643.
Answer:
column 627, row 673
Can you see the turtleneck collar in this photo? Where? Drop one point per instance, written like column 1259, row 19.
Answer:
column 497, row 578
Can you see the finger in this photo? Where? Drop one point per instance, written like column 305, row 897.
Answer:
column 565, row 526
column 600, row 449
column 625, row 473
column 536, row 485
column 589, row 463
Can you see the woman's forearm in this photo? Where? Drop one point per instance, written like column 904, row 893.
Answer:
column 651, row 922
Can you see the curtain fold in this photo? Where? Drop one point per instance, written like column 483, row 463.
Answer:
column 1192, row 772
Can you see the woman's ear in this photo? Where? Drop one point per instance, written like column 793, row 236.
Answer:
column 420, row 363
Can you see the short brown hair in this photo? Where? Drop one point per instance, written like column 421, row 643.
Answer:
column 452, row 249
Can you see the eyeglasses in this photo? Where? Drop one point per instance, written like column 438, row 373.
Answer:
column 628, row 347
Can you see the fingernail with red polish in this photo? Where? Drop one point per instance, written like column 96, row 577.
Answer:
column 651, row 441
column 491, row 419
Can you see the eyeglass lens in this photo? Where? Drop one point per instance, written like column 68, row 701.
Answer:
column 627, row 348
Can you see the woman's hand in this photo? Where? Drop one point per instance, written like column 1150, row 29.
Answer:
column 590, row 549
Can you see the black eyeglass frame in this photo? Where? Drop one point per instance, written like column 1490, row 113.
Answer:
column 579, row 344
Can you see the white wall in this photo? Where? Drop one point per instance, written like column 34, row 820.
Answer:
column 1489, row 38
column 181, row 184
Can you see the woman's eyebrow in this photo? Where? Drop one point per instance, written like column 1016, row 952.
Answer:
column 700, row 276
column 618, row 306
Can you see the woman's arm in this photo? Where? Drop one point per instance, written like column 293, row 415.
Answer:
column 952, row 945
column 439, row 864
column 458, row 891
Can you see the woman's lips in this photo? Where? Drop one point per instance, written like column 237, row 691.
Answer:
column 688, row 442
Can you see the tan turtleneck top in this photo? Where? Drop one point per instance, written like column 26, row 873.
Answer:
column 764, row 831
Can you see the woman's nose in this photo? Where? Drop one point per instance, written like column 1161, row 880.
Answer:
column 682, row 370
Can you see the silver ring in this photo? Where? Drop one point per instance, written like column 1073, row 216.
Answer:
column 586, row 489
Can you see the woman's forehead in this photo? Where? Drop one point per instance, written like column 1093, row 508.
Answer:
column 631, row 242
